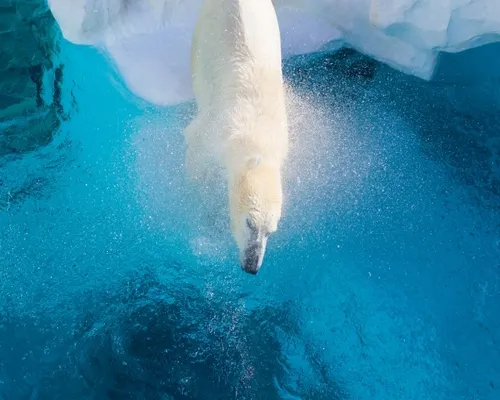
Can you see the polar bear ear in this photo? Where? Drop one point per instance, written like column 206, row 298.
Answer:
column 254, row 162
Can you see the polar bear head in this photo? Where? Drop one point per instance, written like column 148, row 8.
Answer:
column 255, row 201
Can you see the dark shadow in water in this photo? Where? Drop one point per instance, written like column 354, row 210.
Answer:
column 150, row 341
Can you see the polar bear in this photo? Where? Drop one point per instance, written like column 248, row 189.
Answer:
column 241, row 123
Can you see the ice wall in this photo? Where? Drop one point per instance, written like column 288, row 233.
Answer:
column 149, row 40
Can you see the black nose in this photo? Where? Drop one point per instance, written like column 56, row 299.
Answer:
column 251, row 271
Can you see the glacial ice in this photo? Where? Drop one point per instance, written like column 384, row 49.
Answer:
column 149, row 40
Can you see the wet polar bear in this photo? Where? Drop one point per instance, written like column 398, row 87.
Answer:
column 241, row 122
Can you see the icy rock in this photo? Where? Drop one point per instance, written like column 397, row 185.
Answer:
column 28, row 61
column 150, row 39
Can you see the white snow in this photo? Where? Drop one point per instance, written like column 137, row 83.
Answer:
column 149, row 40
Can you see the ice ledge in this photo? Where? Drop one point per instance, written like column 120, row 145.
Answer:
column 433, row 26
column 408, row 34
column 150, row 39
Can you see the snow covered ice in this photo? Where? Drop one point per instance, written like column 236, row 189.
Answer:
column 149, row 40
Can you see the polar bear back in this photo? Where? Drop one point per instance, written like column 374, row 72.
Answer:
column 238, row 42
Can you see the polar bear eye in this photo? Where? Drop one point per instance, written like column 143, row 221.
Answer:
column 251, row 224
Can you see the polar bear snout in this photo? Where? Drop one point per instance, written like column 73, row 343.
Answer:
column 254, row 247
column 252, row 256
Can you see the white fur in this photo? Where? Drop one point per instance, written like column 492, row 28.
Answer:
column 241, row 120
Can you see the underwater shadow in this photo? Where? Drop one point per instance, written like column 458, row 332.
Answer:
column 152, row 341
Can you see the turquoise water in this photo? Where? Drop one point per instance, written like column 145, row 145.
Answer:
column 382, row 283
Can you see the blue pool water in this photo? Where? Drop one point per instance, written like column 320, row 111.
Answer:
column 382, row 283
